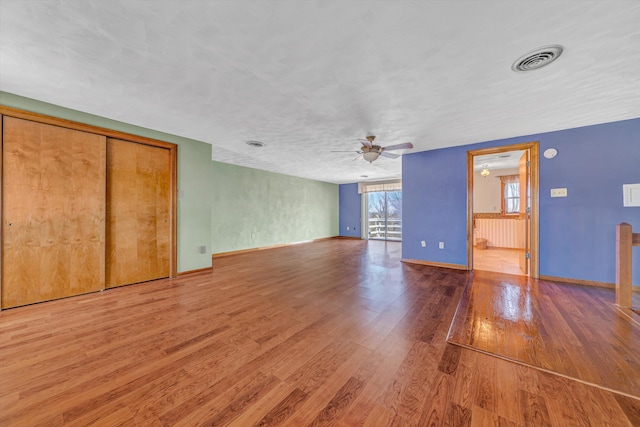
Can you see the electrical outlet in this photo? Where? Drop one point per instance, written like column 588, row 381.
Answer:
column 347, row 227
column 441, row 245
column 253, row 235
column 423, row 243
column 203, row 249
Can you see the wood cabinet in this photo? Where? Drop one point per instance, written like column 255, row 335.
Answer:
column 83, row 208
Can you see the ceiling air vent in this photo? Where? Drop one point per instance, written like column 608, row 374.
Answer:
column 537, row 59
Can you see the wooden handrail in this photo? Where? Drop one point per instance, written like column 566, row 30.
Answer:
column 625, row 240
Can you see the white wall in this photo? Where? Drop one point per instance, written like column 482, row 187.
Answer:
column 487, row 190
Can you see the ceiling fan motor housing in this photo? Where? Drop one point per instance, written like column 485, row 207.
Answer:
column 373, row 148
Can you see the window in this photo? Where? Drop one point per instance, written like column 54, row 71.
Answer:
column 384, row 215
column 384, row 209
column 510, row 194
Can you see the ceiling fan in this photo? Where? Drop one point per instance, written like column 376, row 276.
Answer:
column 371, row 152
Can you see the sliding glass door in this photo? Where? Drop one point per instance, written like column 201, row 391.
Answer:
column 384, row 215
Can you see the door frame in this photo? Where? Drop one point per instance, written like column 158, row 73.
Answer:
column 534, row 163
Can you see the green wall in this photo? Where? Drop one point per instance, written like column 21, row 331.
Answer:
column 253, row 208
column 221, row 205
column 194, row 205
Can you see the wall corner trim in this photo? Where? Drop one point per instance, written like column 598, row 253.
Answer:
column 199, row 270
column 262, row 248
column 435, row 264
column 583, row 282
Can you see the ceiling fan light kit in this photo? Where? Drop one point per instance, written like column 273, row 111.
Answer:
column 370, row 152
column 370, row 156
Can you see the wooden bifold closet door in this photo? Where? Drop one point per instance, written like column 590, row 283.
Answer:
column 138, row 213
column 53, row 212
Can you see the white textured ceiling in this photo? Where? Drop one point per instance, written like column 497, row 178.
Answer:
column 309, row 77
column 504, row 160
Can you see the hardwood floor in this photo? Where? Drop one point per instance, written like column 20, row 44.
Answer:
column 337, row 332
column 498, row 260
column 572, row 330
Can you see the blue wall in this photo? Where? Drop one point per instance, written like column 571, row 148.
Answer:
column 577, row 233
column 349, row 210
column 434, row 205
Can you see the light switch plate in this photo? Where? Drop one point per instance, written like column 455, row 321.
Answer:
column 558, row 192
column 631, row 195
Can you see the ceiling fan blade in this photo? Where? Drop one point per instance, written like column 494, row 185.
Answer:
column 398, row 146
column 358, row 158
column 346, row 151
column 365, row 143
column 390, row 155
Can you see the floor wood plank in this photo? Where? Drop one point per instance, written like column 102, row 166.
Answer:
column 575, row 331
column 337, row 332
column 498, row 260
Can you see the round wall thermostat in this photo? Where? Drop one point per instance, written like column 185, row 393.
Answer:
column 550, row 153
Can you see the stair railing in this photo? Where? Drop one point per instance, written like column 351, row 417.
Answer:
column 625, row 240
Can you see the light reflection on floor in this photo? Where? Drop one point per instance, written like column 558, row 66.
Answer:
column 572, row 330
column 513, row 303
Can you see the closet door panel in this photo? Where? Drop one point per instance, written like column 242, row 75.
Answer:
column 53, row 217
column 138, row 212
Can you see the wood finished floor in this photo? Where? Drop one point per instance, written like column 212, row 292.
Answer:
column 498, row 260
column 330, row 333
column 575, row 331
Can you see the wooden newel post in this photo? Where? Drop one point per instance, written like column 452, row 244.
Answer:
column 624, row 243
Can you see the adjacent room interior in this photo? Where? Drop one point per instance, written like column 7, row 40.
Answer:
column 501, row 212
column 319, row 213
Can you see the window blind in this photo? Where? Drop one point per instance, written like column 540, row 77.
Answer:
column 509, row 178
column 370, row 187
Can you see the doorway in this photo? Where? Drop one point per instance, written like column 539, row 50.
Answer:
column 502, row 189
column 384, row 215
